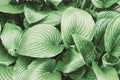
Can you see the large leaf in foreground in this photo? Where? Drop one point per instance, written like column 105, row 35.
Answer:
column 103, row 3
column 112, row 37
column 76, row 21
column 11, row 36
column 105, row 72
column 72, row 60
column 85, row 47
column 6, row 73
column 42, row 69
column 20, row 67
column 5, row 58
column 41, row 41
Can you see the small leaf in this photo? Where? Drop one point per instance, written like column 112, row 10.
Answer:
column 76, row 21
column 72, row 60
column 110, row 60
column 103, row 3
column 42, row 69
column 112, row 37
column 6, row 73
column 85, row 47
column 33, row 15
column 11, row 36
column 20, row 67
column 53, row 18
column 105, row 72
column 55, row 2
column 41, row 41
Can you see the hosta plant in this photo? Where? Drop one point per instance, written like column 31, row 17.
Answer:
column 59, row 40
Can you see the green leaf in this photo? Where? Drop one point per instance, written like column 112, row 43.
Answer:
column 105, row 72
column 55, row 2
column 78, row 74
column 76, row 21
column 42, row 69
column 71, row 61
column 103, row 3
column 110, row 60
column 4, row 2
column 85, row 47
column 11, row 36
column 41, row 41
column 112, row 37
column 90, row 75
column 12, row 9
column 6, row 73
column 33, row 15
column 107, row 14
column 53, row 18
column 5, row 58
column 20, row 67
column 100, row 28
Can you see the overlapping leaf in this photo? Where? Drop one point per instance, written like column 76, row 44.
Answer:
column 105, row 72
column 41, row 41
column 53, row 18
column 33, row 15
column 6, row 73
column 103, row 3
column 107, row 14
column 42, row 69
column 20, row 67
column 11, row 36
column 110, row 60
column 71, row 63
column 85, row 47
column 76, row 21
column 55, row 2
column 5, row 58
column 112, row 37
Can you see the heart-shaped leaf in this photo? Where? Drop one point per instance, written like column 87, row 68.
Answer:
column 71, row 63
column 42, row 69
column 11, row 36
column 41, row 41
column 76, row 21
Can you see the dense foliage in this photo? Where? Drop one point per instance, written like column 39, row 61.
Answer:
column 59, row 40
